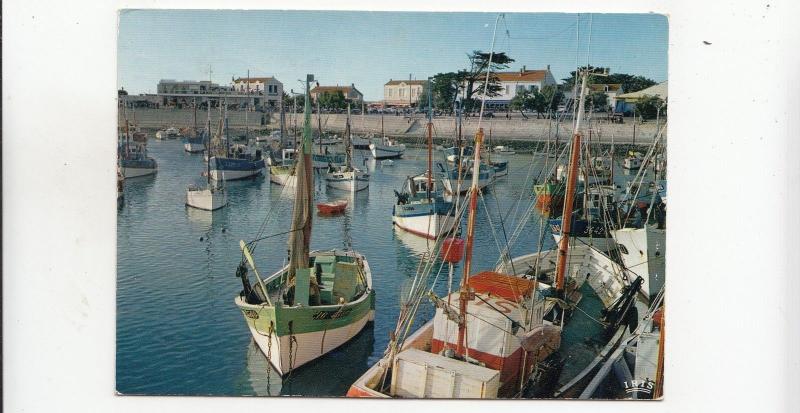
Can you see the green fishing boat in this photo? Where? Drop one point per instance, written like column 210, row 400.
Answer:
column 317, row 302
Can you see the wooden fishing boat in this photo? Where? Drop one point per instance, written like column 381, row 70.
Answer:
column 420, row 208
column 317, row 302
column 330, row 208
column 346, row 177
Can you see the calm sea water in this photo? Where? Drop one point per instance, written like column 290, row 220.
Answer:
column 178, row 331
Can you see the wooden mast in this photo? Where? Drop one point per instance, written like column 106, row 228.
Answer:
column 348, row 150
column 319, row 126
column 569, row 196
column 430, row 141
column 464, row 295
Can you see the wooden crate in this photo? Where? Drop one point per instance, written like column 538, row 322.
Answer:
column 419, row 374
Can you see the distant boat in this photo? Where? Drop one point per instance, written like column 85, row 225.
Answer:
column 196, row 143
column 211, row 197
column 346, row 177
column 386, row 148
column 361, row 142
column 504, row 150
column 169, row 133
column 387, row 162
column 133, row 158
column 282, row 172
column 450, row 178
column 325, row 157
column 233, row 162
column 453, row 154
column 599, row 171
column 330, row 208
column 500, row 167
column 316, row 303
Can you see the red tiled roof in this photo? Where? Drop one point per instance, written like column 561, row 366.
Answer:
column 322, row 89
column 528, row 75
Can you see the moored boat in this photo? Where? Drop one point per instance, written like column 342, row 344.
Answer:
column 331, row 208
column 420, row 208
column 504, row 150
column 347, row 177
column 317, row 302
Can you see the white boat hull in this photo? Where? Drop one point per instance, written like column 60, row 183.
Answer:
column 450, row 185
column 387, row 152
column 219, row 175
column 348, row 181
column 601, row 244
column 284, row 179
column 194, row 147
column 308, row 346
column 206, row 199
column 136, row 172
column 428, row 226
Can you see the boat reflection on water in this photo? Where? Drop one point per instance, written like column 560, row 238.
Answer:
column 203, row 219
column 419, row 246
column 346, row 363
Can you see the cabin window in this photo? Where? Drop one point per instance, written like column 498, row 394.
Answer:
column 622, row 249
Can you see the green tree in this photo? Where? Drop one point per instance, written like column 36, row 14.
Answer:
column 521, row 102
column 648, row 106
column 475, row 76
column 540, row 103
column 289, row 102
column 332, row 100
column 630, row 83
column 445, row 88
column 597, row 101
column 553, row 95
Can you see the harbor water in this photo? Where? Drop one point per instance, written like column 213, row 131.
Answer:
column 178, row 330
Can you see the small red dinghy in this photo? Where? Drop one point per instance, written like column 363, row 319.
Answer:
column 330, row 208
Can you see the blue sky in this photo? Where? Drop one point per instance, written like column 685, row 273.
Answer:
column 369, row 48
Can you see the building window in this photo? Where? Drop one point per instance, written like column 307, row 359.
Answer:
column 520, row 89
column 402, row 93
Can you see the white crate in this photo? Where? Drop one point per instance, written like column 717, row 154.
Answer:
column 419, row 374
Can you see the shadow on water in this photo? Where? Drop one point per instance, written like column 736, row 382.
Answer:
column 330, row 375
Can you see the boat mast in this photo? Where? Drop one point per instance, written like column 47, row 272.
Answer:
column 569, row 194
column 319, row 126
column 465, row 293
column 347, row 142
column 430, row 140
column 246, row 107
column 300, row 235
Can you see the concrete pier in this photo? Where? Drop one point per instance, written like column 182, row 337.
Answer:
column 411, row 129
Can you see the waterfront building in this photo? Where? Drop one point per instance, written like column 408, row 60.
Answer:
column 350, row 93
column 627, row 102
column 402, row 93
column 513, row 83
column 265, row 91
column 264, row 94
